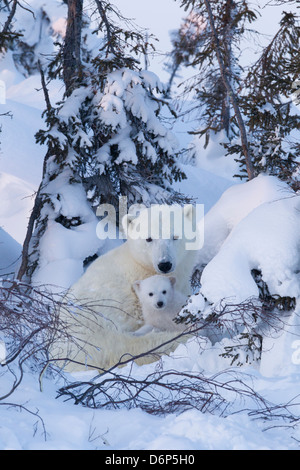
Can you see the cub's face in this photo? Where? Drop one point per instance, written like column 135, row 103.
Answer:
column 156, row 291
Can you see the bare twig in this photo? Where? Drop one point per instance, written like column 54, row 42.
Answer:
column 172, row 391
column 110, row 46
column 33, row 413
column 10, row 17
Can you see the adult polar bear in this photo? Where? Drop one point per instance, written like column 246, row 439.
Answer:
column 160, row 240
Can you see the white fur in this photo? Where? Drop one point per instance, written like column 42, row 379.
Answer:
column 160, row 303
column 103, row 337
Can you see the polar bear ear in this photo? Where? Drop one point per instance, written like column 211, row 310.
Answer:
column 127, row 220
column 172, row 281
column 136, row 286
column 188, row 211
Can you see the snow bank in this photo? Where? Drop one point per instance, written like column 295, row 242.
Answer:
column 47, row 423
column 281, row 350
column 16, row 205
column 233, row 206
column 267, row 239
column 20, row 155
column 255, row 225
column 213, row 157
column 201, row 185
column 10, row 252
column 63, row 249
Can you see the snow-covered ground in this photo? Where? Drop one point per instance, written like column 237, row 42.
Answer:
column 263, row 221
column 43, row 421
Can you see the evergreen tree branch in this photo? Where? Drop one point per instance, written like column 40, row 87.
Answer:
column 110, row 47
column 10, row 17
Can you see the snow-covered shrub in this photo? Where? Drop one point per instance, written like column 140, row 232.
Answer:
column 29, row 32
column 133, row 151
column 105, row 139
column 267, row 239
column 250, row 265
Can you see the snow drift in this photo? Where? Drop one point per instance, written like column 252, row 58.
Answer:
column 255, row 225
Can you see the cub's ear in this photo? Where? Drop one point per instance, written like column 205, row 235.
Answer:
column 173, row 281
column 136, row 286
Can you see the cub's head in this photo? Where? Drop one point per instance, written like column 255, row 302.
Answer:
column 155, row 291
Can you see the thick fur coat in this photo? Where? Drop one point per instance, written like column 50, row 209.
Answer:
column 102, row 331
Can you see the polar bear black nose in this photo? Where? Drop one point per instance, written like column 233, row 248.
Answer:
column 165, row 267
column 160, row 304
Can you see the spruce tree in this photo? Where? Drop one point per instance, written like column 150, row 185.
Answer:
column 8, row 34
column 106, row 138
column 194, row 46
column 272, row 120
column 263, row 91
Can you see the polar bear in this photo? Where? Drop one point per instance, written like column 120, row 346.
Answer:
column 158, row 242
column 160, row 302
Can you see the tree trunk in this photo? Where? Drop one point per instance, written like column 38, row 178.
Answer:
column 71, row 75
column 227, row 44
column 233, row 98
column 72, row 48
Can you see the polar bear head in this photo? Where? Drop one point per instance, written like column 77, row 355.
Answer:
column 157, row 236
column 156, row 292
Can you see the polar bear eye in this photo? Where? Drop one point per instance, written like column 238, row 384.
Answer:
column 164, row 291
column 150, row 294
column 148, row 240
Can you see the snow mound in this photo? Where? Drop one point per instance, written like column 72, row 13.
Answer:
column 254, row 225
column 16, row 204
column 267, row 239
column 202, row 186
column 63, row 249
column 10, row 252
column 233, row 206
column 213, row 157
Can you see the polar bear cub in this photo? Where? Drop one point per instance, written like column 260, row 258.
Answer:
column 160, row 303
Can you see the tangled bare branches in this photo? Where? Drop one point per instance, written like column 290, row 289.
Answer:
column 30, row 323
column 163, row 390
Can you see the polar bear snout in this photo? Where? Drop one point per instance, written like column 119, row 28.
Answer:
column 165, row 267
column 160, row 304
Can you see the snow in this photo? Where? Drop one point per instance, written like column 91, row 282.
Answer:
column 126, row 94
column 266, row 238
column 16, row 202
column 47, row 422
column 248, row 225
column 60, row 246
column 213, row 156
column 10, row 252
